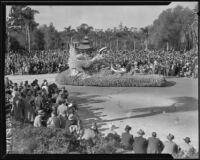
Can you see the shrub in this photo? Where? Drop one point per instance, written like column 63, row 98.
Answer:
column 106, row 79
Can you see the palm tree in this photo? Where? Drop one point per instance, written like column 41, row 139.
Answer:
column 22, row 15
column 146, row 35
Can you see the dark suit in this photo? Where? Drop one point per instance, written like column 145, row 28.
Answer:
column 154, row 145
column 140, row 145
column 127, row 140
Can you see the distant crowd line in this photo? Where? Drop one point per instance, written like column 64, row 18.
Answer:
column 167, row 63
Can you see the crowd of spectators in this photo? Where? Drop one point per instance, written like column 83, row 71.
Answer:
column 36, row 62
column 167, row 63
column 46, row 105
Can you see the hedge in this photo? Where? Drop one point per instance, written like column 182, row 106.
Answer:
column 111, row 80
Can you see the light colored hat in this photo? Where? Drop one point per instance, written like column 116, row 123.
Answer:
column 141, row 132
column 41, row 112
column 70, row 105
column 71, row 117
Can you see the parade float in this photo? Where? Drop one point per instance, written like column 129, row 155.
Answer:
column 96, row 69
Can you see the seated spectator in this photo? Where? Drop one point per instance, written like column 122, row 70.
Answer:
column 53, row 121
column 187, row 148
column 90, row 133
column 154, row 144
column 127, row 139
column 140, row 143
column 38, row 119
column 169, row 146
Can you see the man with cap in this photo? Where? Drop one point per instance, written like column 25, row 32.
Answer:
column 170, row 147
column 154, row 144
column 140, row 143
column 38, row 119
column 127, row 139
column 187, row 148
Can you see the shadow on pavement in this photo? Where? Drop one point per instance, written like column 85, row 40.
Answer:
column 183, row 104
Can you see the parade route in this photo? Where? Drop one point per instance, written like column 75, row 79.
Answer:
column 172, row 109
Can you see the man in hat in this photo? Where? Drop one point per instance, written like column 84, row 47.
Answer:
column 154, row 144
column 170, row 147
column 127, row 139
column 61, row 97
column 38, row 119
column 53, row 121
column 62, row 113
column 140, row 143
column 187, row 148
column 39, row 100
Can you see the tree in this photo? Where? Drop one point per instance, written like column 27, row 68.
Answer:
column 38, row 42
column 22, row 15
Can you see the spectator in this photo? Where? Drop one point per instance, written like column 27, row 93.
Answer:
column 154, row 144
column 53, row 121
column 29, row 107
column 127, row 139
column 169, row 146
column 140, row 143
column 38, row 119
column 39, row 101
column 187, row 148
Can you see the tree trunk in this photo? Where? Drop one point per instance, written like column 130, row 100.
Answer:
column 28, row 37
column 8, row 45
column 117, row 45
column 134, row 44
column 146, row 45
column 167, row 46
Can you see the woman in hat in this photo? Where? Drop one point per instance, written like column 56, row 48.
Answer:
column 186, row 148
column 140, row 143
column 38, row 119
column 170, row 147
column 127, row 139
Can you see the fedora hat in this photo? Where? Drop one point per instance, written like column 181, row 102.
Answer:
column 41, row 112
column 128, row 128
column 187, row 139
column 70, row 105
column 71, row 117
column 140, row 132
column 39, row 92
column 170, row 136
column 154, row 134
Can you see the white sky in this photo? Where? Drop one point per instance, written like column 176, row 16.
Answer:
column 101, row 17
